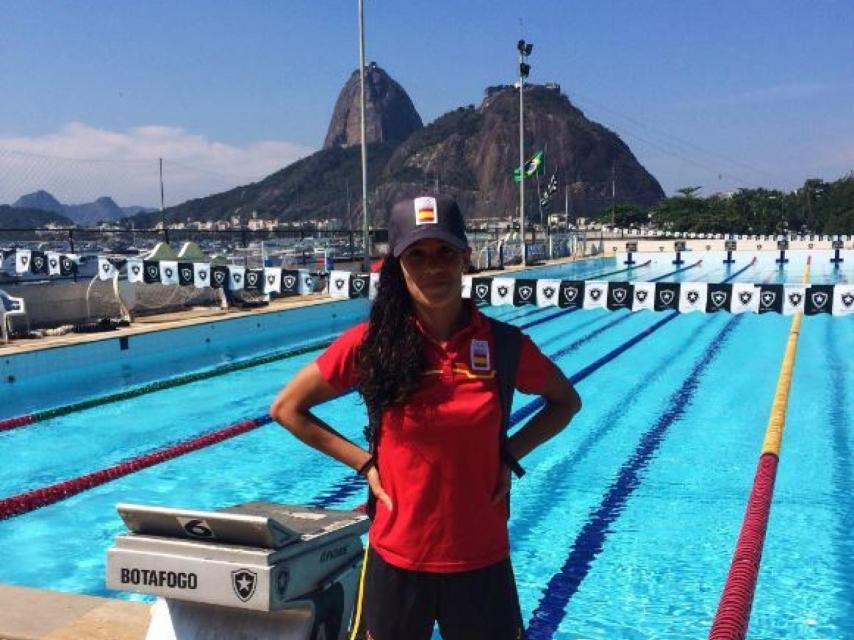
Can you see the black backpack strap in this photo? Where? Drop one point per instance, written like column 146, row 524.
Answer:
column 371, row 433
column 508, row 346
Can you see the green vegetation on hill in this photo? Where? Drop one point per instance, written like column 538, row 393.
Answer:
column 817, row 207
column 22, row 218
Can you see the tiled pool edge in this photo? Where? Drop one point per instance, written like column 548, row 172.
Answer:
column 37, row 614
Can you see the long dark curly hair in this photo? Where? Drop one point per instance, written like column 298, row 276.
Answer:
column 390, row 359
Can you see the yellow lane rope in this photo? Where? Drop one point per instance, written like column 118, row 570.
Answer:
column 777, row 420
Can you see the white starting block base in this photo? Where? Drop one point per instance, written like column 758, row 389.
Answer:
column 176, row 620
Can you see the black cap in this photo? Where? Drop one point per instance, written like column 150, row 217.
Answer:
column 419, row 218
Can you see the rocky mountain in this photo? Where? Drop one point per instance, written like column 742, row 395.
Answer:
column 104, row 209
column 469, row 152
column 389, row 113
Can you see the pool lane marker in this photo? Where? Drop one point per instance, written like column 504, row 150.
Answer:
column 8, row 424
column 733, row 614
column 34, row 499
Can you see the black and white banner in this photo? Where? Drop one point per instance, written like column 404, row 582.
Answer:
column 571, row 294
column 134, row 268
column 547, row 292
column 169, row 272
column 339, row 284
column 843, row 299
column 236, row 278
column 201, row 275
column 595, row 295
column 502, row 291
column 254, row 279
column 620, row 295
column 684, row 297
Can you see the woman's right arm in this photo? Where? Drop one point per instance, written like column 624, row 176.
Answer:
column 292, row 409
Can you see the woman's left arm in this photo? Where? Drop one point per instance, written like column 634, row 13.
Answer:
column 562, row 403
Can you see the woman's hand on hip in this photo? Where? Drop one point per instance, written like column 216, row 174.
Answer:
column 373, row 478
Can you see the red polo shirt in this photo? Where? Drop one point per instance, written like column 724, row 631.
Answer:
column 438, row 456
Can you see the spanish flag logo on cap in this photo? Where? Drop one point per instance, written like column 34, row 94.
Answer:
column 426, row 211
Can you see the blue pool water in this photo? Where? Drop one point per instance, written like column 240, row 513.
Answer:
column 625, row 523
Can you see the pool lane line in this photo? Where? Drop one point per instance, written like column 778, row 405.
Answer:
column 843, row 471
column 733, row 614
column 7, row 424
column 590, row 541
column 36, row 498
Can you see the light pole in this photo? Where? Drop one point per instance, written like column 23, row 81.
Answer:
column 524, row 49
column 365, row 242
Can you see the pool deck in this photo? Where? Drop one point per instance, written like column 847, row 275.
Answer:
column 36, row 614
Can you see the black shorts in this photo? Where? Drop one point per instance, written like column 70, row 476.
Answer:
column 399, row 604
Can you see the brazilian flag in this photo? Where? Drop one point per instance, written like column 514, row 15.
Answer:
column 535, row 165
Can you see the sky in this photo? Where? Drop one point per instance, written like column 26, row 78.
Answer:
column 723, row 95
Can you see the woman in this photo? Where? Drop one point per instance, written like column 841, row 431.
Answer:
column 425, row 365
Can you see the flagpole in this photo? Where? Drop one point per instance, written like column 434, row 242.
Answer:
column 522, row 159
column 365, row 239
column 524, row 69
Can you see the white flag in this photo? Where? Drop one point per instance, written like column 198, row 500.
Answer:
column 596, row 295
column 53, row 266
column 467, row 286
column 134, row 266
column 22, row 260
column 106, row 269
column 745, row 298
column 168, row 272
column 644, row 296
column 794, row 296
column 692, row 297
column 306, row 282
column 272, row 280
column 201, row 275
column 236, row 277
column 374, row 286
column 843, row 299
column 502, row 291
column 548, row 292
column 339, row 284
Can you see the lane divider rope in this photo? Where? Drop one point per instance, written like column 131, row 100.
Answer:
column 733, row 613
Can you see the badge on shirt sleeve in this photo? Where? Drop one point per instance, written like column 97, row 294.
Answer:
column 480, row 355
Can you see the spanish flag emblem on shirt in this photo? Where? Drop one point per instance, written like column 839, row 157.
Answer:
column 425, row 211
column 480, row 355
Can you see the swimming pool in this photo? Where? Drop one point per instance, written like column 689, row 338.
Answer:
column 625, row 523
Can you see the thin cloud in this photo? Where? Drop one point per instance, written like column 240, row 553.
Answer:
column 79, row 163
column 776, row 93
